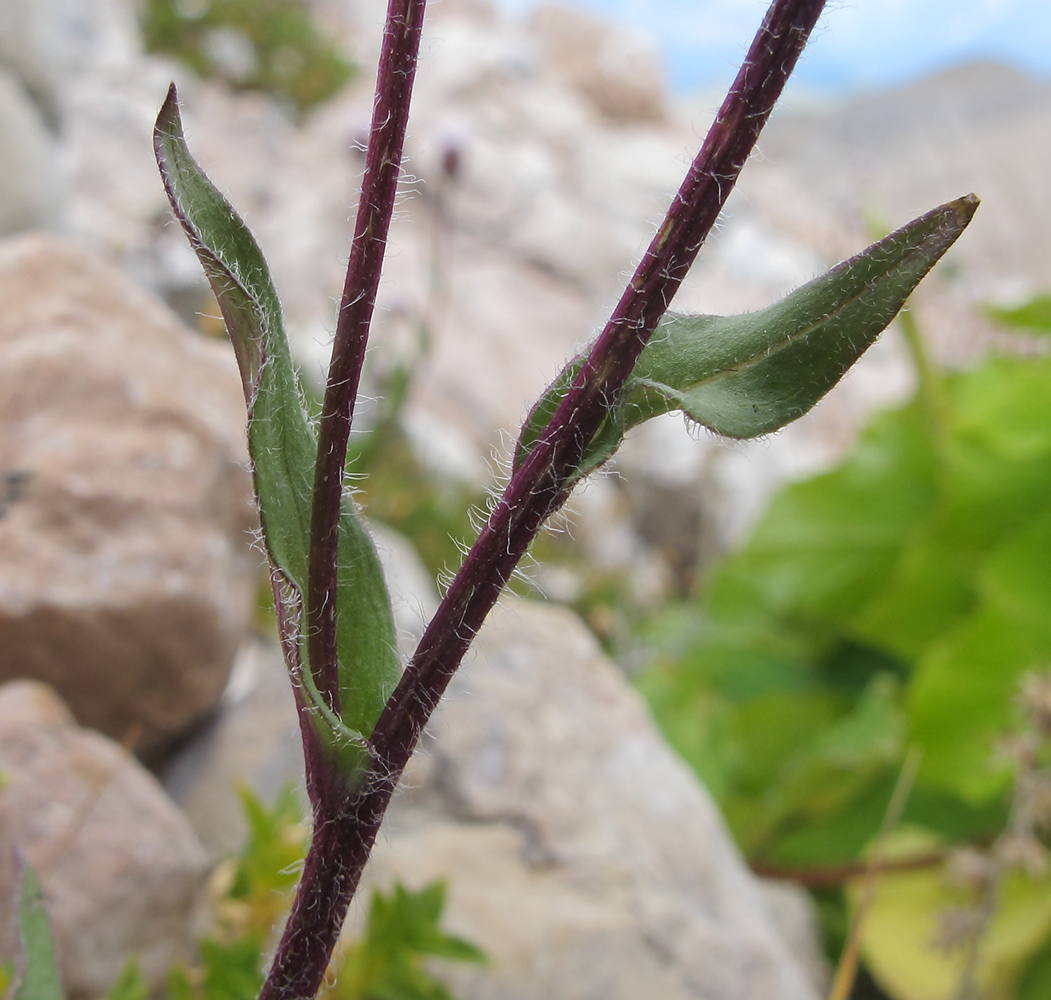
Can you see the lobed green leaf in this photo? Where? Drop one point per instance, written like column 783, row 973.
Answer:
column 283, row 450
column 743, row 376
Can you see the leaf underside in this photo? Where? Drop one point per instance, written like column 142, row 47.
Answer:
column 283, row 449
column 748, row 375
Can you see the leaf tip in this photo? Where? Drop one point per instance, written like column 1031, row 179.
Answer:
column 965, row 208
column 168, row 123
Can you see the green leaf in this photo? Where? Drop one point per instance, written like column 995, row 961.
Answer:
column 827, row 545
column 960, row 698
column 1035, row 983
column 129, row 984
column 826, row 776
column 234, row 970
column 743, row 376
column 403, row 928
column 38, row 967
column 1033, row 316
column 275, row 845
column 900, row 930
column 283, row 449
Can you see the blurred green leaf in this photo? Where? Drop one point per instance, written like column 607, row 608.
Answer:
column 130, row 984
column 270, row 45
column 827, row 545
column 743, row 376
column 832, row 770
column 283, row 450
column 1033, row 316
column 961, row 695
column 900, row 931
column 38, row 977
column 268, row 866
column 1035, row 981
column 403, row 929
column 232, row 970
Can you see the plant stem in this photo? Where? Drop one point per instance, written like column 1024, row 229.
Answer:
column 930, row 386
column 537, row 489
column 390, row 115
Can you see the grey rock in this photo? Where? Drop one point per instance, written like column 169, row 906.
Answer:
column 120, row 866
column 51, row 44
column 252, row 742
column 29, row 182
column 580, row 852
column 126, row 577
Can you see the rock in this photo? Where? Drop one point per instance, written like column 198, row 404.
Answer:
column 29, row 185
column 581, row 854
column 252, row 742
column 52, row 44
column 126, row 578
column 120, row 866
column 796, row 918
column 618, row 70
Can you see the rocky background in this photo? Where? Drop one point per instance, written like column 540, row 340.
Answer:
column 581, row 854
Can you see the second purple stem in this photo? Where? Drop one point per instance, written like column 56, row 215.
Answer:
column 538, row 487
column 390, row 115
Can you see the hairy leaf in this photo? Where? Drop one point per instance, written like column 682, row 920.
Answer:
column 743, row 376
column 38, row 969
column 283, row 449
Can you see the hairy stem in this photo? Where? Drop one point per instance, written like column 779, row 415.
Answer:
column 390, row 115
column 537, row 489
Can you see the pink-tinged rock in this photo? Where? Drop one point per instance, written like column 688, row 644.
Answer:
column 618, row 70
column 126, row 576
column 120, row 866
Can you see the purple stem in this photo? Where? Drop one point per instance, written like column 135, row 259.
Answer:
column 390, row 115
column 346, row 829
column 537, row 488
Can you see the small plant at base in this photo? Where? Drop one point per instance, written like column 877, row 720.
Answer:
column 360, row 716
column 249, row 898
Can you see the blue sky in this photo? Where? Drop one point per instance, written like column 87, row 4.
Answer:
column 859, row 44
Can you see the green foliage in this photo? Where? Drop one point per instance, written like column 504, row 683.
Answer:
column 130, row 984
column 268, row 866
column 897, row 600
column 283, row 448
column 1033, row 316
column 252, row 892
column 37, row 967
column 743, row 376
column 277, row 47
column 403, row 930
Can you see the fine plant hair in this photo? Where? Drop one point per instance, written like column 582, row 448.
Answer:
column 744, row 376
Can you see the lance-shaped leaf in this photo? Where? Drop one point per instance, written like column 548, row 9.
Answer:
column 283, row 450
column 747, row 375
column 37, row 966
